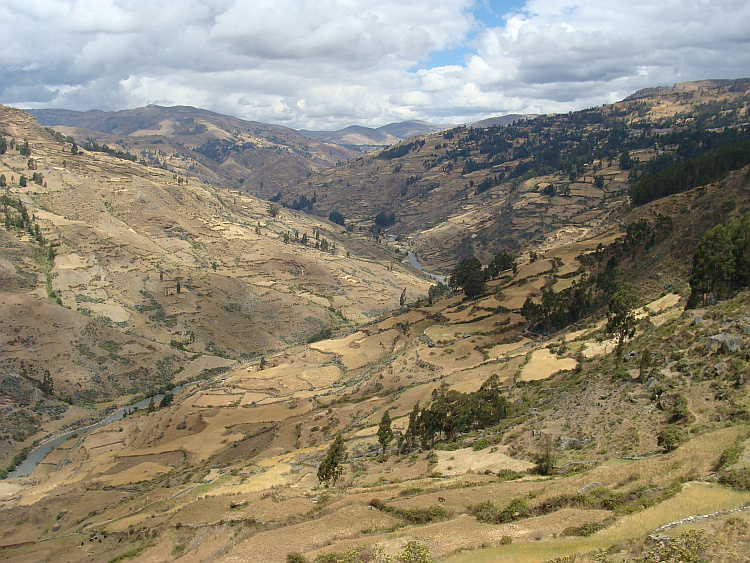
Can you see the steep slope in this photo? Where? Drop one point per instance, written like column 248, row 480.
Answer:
column 216, row 148
column 475, row 190
column 521, row 430
column 118, row 276
column 228, row 471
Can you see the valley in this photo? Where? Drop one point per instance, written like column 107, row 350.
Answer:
column 524, row 424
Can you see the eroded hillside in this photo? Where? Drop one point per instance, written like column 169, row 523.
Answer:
column 117, row 276
column 218, row 149
column 472, row 191
column 228, row 471
column 525, row 424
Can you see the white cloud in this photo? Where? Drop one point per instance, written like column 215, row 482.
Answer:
column 330, row 63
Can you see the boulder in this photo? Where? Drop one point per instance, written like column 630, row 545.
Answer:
column 725, row 343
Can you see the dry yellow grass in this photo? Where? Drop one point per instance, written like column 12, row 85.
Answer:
column 543, row 364
column 696, row 498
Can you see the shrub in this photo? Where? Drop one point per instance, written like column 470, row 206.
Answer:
column 491, row 513
column 670, row 438
column 738, row 479
column 730, row 455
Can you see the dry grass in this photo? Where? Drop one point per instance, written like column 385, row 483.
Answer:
column 696, row 498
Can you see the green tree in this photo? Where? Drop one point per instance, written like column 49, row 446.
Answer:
column 262, row 363
column 24, row 149
column 337, row 217
column 166, row 400
column 670, row 437
column 436, row 291
column 47, row 385
column 645, row 364
column 546, row 458
column 3, row 145
column 468, row 275
column 721, row 262
column 273, row 209
column 402, row 299
column 415, row 552
column 502, row 261
column 385, row 432
column 330, row 468
column 621, row 319
column 22, row 181
column 74, row 148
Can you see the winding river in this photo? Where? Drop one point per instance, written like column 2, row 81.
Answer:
column 36, row 455
column 412, row 259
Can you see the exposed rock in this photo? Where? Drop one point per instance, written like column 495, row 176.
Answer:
column 726, row 343
column 698, row 320
column 566, row 442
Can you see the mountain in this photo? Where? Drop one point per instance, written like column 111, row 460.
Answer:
column 366, row 139
column 218, row 149
column 116, row 276
column 583, row 397
column 471, row 191
column 502, row 120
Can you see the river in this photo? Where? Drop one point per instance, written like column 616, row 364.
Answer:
column 412, row 259
column 36, row 455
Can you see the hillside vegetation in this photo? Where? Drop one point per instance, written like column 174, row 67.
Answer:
column 119, row 278
column 564, row 406
column 472, row 191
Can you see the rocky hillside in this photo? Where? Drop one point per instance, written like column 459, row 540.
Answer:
column 118, row 278
column 476, row 190
column 585, row 451
column 218, row 149
column 572, row 410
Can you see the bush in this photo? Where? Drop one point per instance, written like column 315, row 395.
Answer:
column 730, row 455
column 670, row 438
column 492, row 514
column 295, row 558
column 738, row 479
column 585, row 529
column 413, row 515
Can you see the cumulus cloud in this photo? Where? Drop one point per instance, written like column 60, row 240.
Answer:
column 330, row 63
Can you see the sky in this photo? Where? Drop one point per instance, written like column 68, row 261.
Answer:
column 327, row 64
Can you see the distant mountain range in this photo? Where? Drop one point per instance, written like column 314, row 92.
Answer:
column 367, row 139
column 216, row 148
column 228, row 151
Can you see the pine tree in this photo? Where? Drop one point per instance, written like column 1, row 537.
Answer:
column 385, row 433
column 621, row 319
column 330, row 468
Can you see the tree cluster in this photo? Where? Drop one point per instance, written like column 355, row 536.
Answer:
column 400, row 150
column 472, row 278
column 691, row 173
column 721, row 262
column 337, row 217
column 451, row 412
column 383, row 219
